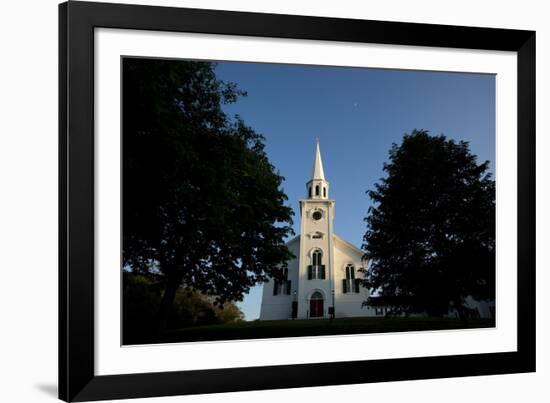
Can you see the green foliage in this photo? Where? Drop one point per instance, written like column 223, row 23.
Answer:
column 202, row 204
column 192, row 308
column 142, row 298
column 431, row 232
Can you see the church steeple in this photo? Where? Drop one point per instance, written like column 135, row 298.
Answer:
column 318, row 172
column 317, row 186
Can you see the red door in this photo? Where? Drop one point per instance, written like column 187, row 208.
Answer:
column 316, row 305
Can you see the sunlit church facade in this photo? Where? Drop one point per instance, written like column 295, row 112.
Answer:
column 325, row 272
column 323, row 278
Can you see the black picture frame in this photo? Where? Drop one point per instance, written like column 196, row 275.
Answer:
column 77, row 379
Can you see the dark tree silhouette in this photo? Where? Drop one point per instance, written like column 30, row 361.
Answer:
column 202, row 204
column 431, row 231
column 142, row 295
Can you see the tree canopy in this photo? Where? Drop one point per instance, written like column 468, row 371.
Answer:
column 202, row 204
column 431, row 230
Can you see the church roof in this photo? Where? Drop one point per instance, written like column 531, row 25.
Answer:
column 296, row 238
column 318, row 172
column 349, row 245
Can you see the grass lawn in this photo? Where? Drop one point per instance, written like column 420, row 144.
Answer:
column 315, row 327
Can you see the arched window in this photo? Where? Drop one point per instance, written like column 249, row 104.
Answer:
column 316, row 270
column 282, row 286
column 316, row 190
column 316, row 258
column 324, row 191
column 350, row 272
column 350, row 283
column 310, row 192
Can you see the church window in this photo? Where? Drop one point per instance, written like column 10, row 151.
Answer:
column 287, row 283
column 316, row 190
column 317, row 235
column 276, row 287
column 316, row 271
column 280, row 287
column 317, row 215
column 317, row 257
column 350, row 271
column 350, row 283
column 324, row 191
column 310, row 191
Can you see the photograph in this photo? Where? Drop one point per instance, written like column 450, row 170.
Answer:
column 265, row 200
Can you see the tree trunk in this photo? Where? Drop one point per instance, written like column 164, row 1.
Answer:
column 167, row 301
column 462, row 313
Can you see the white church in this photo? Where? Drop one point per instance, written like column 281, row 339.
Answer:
column 325, row 272
column 324, row 276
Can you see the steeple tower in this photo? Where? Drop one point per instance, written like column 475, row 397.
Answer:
column 321, row 280
column 316, row 261
column 317, row 186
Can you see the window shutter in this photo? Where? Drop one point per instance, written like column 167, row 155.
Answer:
column 275, row 287
column 345, row 285
column 309, row 274
column 356, row 285
column 322, row 272
column 288, row 283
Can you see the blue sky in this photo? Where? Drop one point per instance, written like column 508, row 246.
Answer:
column 357, row 114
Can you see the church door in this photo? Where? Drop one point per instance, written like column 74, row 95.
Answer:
column 316, row 305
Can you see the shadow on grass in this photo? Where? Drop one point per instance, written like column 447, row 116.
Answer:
column 313, row 327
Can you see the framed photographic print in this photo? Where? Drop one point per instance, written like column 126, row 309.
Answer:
column 257, row 201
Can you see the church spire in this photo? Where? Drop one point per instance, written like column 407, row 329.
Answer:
column 317, row 186
column 318, row 172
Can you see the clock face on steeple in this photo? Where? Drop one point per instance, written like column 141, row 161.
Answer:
column 317, row 215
